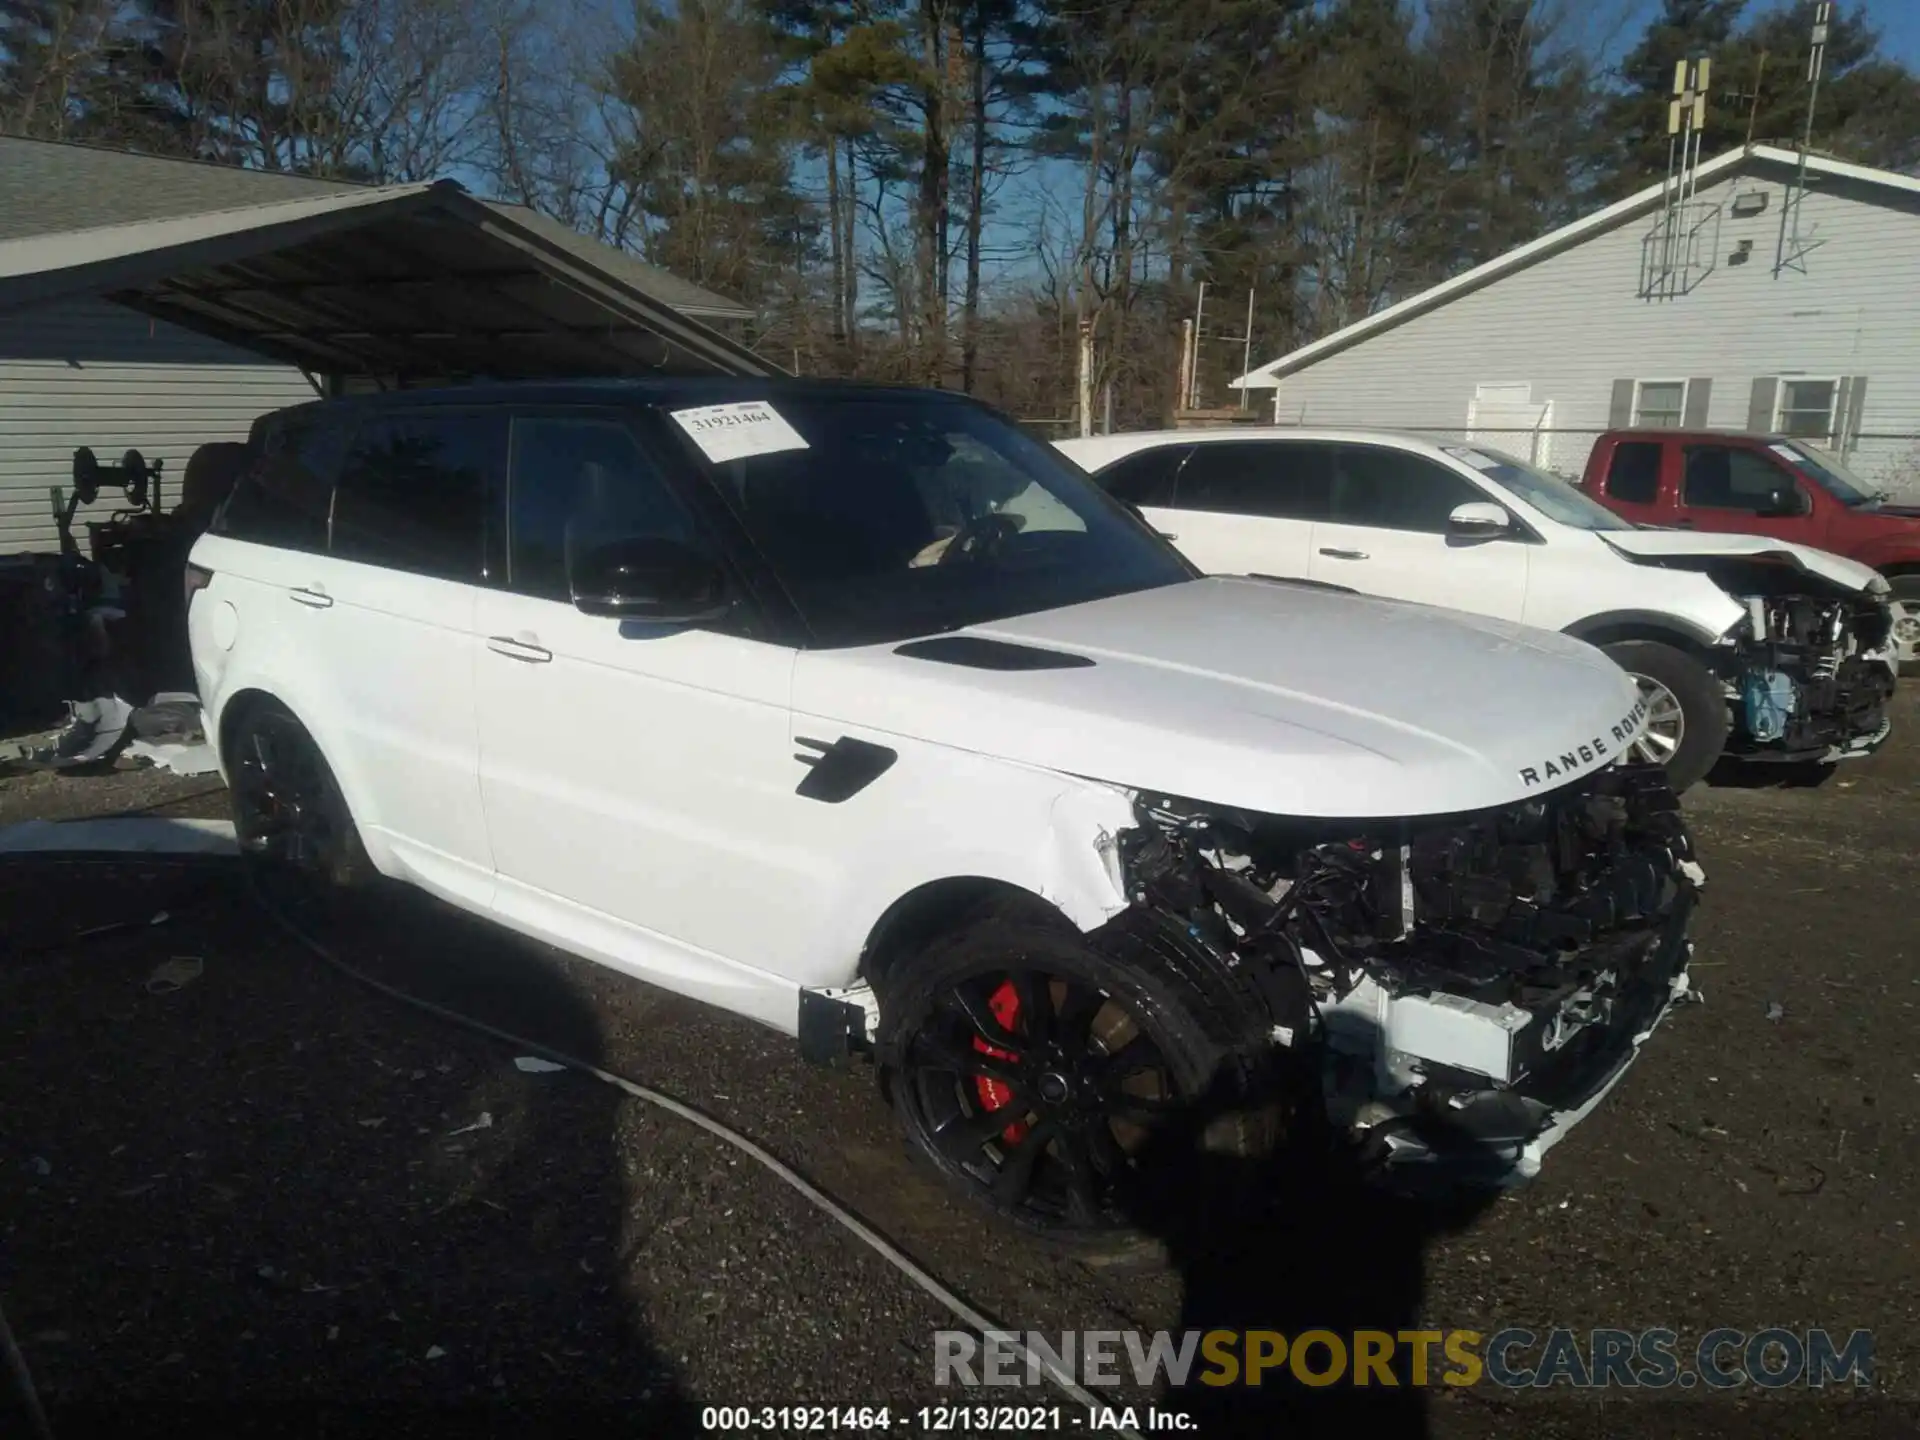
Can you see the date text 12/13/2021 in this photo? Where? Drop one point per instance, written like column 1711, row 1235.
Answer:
column 942, row 1419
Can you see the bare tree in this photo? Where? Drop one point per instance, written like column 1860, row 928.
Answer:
column 52, row 57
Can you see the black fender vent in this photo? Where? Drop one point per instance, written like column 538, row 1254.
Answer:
column 843, row 769
column 977, row 652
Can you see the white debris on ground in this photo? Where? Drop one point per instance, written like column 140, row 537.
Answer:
column 171, row 732
column 181, row 759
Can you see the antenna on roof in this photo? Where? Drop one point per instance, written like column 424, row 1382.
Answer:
column 1669, row 256
column 1791, row 252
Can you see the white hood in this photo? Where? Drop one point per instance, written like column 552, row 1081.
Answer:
column 1662, row 544
column 1270, row 696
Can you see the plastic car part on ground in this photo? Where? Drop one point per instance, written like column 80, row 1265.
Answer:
column 173, row 755
column 93, row 731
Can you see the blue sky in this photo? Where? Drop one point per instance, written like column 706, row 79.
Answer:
column 1898, row 22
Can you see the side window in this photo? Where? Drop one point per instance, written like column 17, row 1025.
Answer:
column 1725, row 477
column 1634, row 475
column 414, row 490
column 1145, row 478
column 1397, row 490
column 574, row 483
column 1276, row 479
column 285, row 496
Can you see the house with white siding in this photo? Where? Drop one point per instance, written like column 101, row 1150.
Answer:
column 86, row 371
column 1767, row 296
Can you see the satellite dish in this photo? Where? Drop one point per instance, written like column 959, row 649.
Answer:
column 133, row 477
column 86, row 476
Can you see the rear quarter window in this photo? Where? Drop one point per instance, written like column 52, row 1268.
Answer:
column 415, row 489
column 285, row 496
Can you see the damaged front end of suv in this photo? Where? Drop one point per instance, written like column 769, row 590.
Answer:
column 1464, row 988
column 1811, row 669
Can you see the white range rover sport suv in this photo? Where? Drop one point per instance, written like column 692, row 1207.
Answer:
column 861, row 713
column 1740, row 644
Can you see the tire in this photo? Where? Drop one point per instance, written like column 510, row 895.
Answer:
column 1906, row 590
column 1052, row 1127
column 1669, row 675
column 289, row 814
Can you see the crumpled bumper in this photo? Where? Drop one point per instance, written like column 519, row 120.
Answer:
column 1472, row 1134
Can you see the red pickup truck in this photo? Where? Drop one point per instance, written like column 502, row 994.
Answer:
column 1761, row 485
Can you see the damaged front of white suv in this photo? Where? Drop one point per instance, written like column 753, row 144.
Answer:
column 1471, row 985
column 1807, row 659
column 1456, row 930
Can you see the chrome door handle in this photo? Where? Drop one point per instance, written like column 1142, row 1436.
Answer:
column 1344, row 554
column 1168, row 535
column 519, row 649
column 314, row 597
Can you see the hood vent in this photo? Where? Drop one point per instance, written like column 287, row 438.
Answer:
column 977, row 652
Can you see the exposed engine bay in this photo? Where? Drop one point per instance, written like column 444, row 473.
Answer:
column 1463, row 983
column 1811, row 676
column 1812, row 664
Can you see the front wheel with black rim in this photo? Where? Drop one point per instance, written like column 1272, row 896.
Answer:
column 1039, row 1076
column 1687, row 719
column 289, row 816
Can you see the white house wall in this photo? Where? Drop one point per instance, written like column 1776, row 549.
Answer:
column 1571, row 325
column 91, row 373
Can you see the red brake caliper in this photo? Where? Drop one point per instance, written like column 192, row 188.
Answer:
column 1005, row 1005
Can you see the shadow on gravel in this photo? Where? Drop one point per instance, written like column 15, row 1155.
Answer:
column 272, row 1202
column 1292, row 1242
column 1730, row 773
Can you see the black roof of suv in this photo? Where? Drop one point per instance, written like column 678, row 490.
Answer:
column 677, row 391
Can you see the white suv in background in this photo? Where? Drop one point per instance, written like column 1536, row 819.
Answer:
column 858, row 712
column 1740, row 643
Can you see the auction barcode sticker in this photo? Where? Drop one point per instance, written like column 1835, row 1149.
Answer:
column 732, row 432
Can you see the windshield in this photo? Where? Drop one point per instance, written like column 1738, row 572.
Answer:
column 1839, row 482
column 891, row 517
column 1553, row 497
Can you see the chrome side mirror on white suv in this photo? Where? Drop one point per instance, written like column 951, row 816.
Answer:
column 1479, row 520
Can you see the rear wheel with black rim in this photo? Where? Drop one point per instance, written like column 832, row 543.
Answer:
column 1687, row 718
column 1039, row 1076
column 290, row 819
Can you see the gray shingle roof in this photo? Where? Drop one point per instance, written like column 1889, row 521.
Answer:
column 48, row 188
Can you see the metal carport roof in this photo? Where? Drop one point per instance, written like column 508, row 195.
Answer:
column 404, row 280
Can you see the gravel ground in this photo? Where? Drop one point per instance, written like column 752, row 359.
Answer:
column 274, row 1201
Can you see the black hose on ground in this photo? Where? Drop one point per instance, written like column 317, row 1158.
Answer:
column 839, row 1213
column 22, row 1379
column 822, row 1201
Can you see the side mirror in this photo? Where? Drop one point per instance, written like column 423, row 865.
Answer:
column 1784, row 501
column 1479, row 520
column 656, row 580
